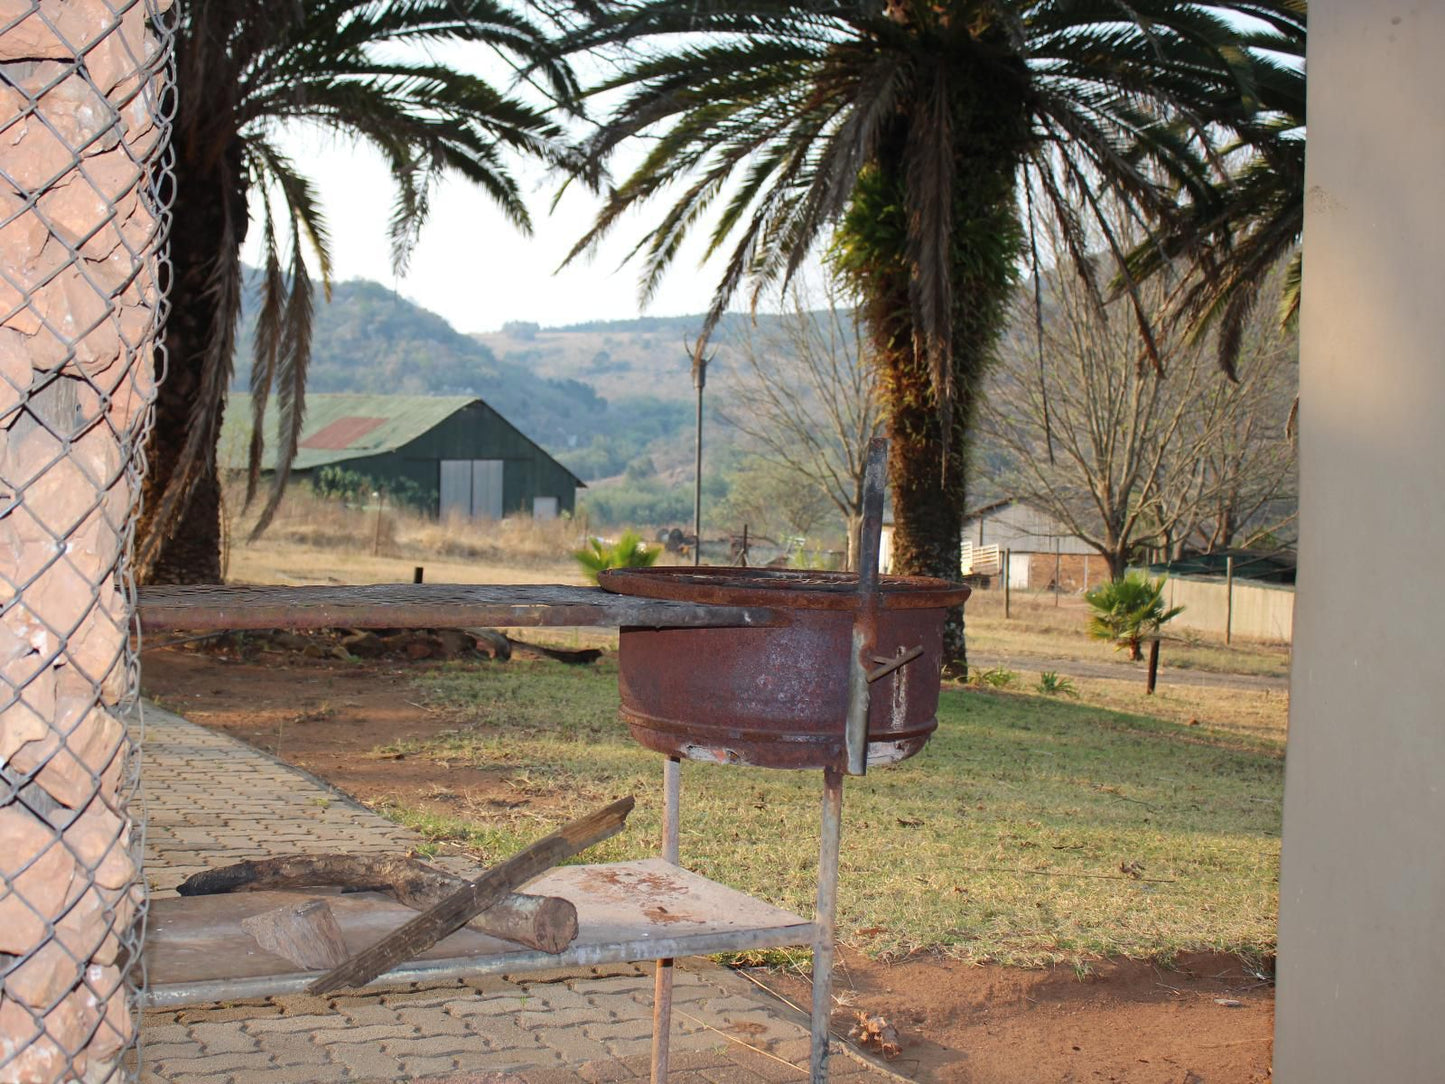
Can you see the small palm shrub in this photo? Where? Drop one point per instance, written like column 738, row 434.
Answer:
column 629, row 551
column 996, row 677
column 1129, row 611
column 1051, row 684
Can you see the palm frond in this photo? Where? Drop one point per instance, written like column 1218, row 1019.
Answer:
column 775, row 109
column 352, row 67
column 268, row 337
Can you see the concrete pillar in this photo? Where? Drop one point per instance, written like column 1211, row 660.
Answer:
column 1362, row 908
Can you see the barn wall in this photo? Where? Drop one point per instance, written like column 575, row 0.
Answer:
column 1022, row 528
column 477, row 432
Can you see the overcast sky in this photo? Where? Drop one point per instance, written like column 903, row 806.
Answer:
column 471, row 265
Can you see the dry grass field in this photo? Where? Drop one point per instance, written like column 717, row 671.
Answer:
column 323, row 541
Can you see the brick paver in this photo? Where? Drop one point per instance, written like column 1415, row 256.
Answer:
column 211, row 800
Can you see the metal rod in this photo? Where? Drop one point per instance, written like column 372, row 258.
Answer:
column 825, row 922
column 662, row 975
column 1008, row 559
column 637, row 947
column 699, row 378
column 866, row 620
column 671, row 807
column 1228, row 599
column 903, row 658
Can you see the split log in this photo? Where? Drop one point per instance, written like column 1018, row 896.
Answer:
column 578, row 657
column 497, row 644
column 429, row 927
column 547, row 923
column 306, row 934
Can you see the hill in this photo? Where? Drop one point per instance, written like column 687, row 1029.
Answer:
column 368, row 339
column 619, row 358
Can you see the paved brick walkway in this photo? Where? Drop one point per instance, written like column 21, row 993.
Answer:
column 212, row 800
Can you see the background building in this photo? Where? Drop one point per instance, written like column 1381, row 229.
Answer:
column 451, row 455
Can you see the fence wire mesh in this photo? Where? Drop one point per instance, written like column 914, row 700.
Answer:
column 84, row 125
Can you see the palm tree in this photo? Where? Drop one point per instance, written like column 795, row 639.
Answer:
column 1243, row 205
column 934, row 132
column 1129, row 610
column 359, row 69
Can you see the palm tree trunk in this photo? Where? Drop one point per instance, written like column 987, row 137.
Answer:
column 927, row 468
column 928, row 485
column 209, row 223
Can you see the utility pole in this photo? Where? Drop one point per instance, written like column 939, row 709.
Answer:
column 699, row 381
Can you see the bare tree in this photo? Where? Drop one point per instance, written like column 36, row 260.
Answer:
column 1248, row 481
column 767, row 496
column 804, row 394
column 1125, row 458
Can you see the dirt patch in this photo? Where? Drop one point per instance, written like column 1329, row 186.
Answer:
column 336, row 720
column 1204, row 1021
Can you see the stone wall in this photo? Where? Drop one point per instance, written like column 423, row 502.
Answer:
column 81, row 229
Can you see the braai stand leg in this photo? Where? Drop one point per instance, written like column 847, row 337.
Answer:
column 662, row 982
column 855, row 759
column 825, row 921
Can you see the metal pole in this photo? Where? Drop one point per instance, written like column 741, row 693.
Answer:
column 1228, row 598
column 662, row 978
column 825, row 922
column 699, row 379
column 865, row 620
column 1007, row 569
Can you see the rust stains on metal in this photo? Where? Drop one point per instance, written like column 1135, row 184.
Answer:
column 778, row 697
column 784, row 588
column 341, row 434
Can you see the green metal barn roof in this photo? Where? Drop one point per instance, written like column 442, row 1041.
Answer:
column 338, row 427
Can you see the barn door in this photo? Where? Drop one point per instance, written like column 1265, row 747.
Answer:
column 456, row 488
column 1018, row 571
column 471, row 488
column 487, row 488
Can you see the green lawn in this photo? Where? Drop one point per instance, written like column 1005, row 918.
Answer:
column 1029, row 830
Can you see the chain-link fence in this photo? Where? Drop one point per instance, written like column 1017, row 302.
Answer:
column 84, row 123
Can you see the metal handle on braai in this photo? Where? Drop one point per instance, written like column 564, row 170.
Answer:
column 865, row 621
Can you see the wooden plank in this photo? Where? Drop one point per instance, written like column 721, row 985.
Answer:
column 429, row 927
column 424, row 605
column 306, row 934
column 197, row 953
column 541, row 922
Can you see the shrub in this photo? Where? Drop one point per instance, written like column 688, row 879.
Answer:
column 351, row 487
column 996, row 677
column 1129, row 611
column 629, row 551
column 1051, row 684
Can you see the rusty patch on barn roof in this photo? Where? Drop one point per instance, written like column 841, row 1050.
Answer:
column 342, row 433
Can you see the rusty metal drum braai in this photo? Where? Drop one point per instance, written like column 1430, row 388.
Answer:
column 777, row 696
